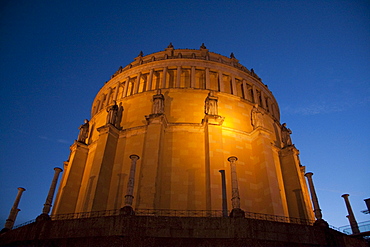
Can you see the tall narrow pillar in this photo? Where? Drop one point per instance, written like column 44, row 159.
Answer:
column 351, row 216
column 233, row 85
column 127, row 209
column 178, row 77
column 221, row 81
column 224, row 197
column 150, row 80
column 235, row 200
column 126, row 87
column 315, row 201
column 13, row 211
column 49, row 198
column 164, row 77
column 192, row 77
column 116, row 92
column 208, row 86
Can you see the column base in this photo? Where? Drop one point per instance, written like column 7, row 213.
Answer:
column 321, row 223
column 127, row 211
column 237, row 213
column 43, row 217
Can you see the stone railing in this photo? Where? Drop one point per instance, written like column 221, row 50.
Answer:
column 175, row 213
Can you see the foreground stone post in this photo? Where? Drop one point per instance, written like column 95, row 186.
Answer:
column 224, row 197
column 351, row 216
column 13, row 211
column 315, row 201
column 49, row 198
column 236, row 211
column 127, row 209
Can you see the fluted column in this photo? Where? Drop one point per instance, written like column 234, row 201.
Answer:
column 49, row 198
column 224, row 197
column 235, row 200
column 351, row 216
column 127, row 209
column 14, row 210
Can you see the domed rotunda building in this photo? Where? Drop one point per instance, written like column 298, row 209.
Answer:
column 184, row 129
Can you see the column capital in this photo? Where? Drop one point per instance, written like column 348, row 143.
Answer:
column 134, row 157
column 58, row 169
column 308, row 174
column 345, row 195
column 21, row 189
column 232, row 159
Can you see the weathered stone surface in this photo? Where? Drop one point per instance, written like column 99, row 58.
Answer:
column 173, row 231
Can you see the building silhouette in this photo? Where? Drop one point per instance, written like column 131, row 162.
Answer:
column 184, row 147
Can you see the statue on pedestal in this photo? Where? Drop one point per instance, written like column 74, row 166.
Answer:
column 285, row 135
column 256, row 117
column 84, row 131
column 112, row 113
column 210, row 104
column 158, row 103
column 119, row 116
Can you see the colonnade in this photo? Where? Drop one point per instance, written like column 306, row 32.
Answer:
column 186, row 77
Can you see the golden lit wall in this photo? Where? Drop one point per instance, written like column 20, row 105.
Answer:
column 182, row 150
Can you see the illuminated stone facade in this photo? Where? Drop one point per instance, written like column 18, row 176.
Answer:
column 184, row 113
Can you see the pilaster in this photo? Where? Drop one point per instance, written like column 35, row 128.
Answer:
column 149, row 190
column 66, row 200
column 299, row 205
column 103, row 164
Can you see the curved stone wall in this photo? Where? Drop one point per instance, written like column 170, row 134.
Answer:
column 184, row 113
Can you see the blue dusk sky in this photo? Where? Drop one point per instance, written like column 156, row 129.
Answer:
column 313, row 55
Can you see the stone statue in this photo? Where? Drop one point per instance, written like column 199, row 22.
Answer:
column 84, row 131
column 158, row 103
column 285, row 135
column 119, row 115
column 210, row 104
column 112, row 113
column 256, row 117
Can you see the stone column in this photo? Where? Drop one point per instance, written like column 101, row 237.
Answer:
column 13, row 211
column 164, row 76
column 150, row 80
column 351, row 216
column 178, row 77
column 192, row 77
column 116, row 92
column 126, row 87
column 207, row 79
column 136, row 86
column 127, row 209
column 108, row 96
column 233, row 85
column 221, row 81
column 245, row 91
column 236, row 211
column 224, row 197
column 315, row 201
column 49, row 198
